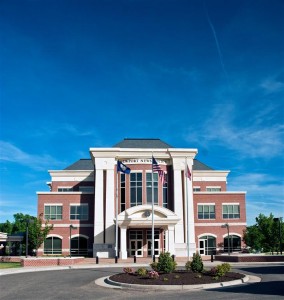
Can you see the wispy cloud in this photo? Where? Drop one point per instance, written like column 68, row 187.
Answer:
column 11, row 153
column 264, row 194
column 249, row 139
column 271, row 85
column 54, row 129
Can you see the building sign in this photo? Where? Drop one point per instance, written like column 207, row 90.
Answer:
column 145, row 161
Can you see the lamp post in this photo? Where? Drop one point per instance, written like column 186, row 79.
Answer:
column 71, row 227
column 228, row 228
column 28, row 221
column 279, row 220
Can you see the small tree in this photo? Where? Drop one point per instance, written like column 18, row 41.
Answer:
column 37, row 232
column 166, row 263
column 197, row 263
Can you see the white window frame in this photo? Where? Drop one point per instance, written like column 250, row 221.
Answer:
column 76, row 212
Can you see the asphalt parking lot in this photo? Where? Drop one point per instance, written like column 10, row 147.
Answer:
column 80, row 284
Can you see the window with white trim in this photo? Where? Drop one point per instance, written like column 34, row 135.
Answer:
column 79, row 212
column 65, row 189
column 53, row 212
column 135, row 189
column 196, row 189
column 149, row 183
column 206, row 211
column 52, row 245
column 213, row 189
column 231, row 211
column 122, row 192
column 86, row 189
column 165, row 191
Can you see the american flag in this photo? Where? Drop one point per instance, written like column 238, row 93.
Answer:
column 157, row 168
column 188, row 173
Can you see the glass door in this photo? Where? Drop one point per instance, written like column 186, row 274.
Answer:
column 202, row 247
column 156, row 242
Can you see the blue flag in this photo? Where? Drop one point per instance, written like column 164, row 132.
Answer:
column 122, row 168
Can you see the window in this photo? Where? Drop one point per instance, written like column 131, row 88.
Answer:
column 53, row 245
column 79, row 246
column 87, row 189
column 122, row 192
column 53, row 212
column 165, row 192
column 213, row 189
column 65, row 189
column 234, row 243
column 196, row 189
column 149, row 187
column 231, row 211
column 79, row 212
column 206, row 211
column 207, row 245
column 135, row 189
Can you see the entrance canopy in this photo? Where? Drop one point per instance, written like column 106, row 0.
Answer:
column 141, row 217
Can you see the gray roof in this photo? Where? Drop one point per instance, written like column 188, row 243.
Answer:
column 142, row 143
column 82, row 164
column 87, row 164
column 199, row 166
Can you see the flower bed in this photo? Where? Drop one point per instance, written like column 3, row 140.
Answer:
column 175, row 278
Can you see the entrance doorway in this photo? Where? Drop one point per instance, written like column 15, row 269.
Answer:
column 202, row 246
column 156, row 242
column 136, row 243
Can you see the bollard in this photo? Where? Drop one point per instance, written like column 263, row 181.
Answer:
column 97, row 260
column 173, row 257
column 211, row 257
column 134, row 259
column 154, row 258
column 116, row 259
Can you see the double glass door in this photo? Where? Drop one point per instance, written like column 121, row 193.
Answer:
column 136, row 243
column 156, row 242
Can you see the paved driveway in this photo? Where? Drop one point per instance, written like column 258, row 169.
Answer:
column 80, row 284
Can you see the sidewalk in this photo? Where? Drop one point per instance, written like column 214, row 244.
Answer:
column 110, row 263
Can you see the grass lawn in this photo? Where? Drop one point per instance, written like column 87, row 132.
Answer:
column 7, row 265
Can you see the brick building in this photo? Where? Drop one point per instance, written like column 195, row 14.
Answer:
column 96, row 208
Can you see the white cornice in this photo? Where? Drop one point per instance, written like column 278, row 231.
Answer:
column 124, row 153
column 220, row 193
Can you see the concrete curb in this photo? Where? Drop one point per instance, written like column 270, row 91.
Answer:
column 106, row 282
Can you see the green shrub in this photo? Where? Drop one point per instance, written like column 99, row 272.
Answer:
column 188, row 266
column 220, row 271
column 142, row 272
column 166, row 263
column 196, row 265
column 154, row 266
column 226, row 267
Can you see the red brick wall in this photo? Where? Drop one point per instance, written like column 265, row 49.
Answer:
column 37, row 262
column 204, row 184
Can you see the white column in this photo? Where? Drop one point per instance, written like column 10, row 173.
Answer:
column 166, row 240
column 178, row 204
column 110, row 205
column 123, row 243
column 190, row 211
column 171, row 235
column 99, row 211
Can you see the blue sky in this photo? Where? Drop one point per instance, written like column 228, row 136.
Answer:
column 196, row 74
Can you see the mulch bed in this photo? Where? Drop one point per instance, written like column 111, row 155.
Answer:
column 175, row 278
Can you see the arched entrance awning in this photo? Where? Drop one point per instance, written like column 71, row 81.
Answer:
column 141, row 216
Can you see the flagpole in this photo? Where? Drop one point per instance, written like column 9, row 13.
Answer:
column 152, row 246
column 116, row 214
column 187, row 209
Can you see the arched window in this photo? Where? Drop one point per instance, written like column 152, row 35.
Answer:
column 79, row 246
column 207, row 245
column 234, row 245
column 53, row 245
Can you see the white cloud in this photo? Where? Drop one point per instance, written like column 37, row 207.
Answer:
column 250, row 138
column 271, row 85
column 11, row 153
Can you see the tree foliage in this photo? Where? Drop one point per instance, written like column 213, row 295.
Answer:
column 36, row 229
column 264, row 235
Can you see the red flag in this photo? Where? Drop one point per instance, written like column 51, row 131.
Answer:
column 187, row 173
